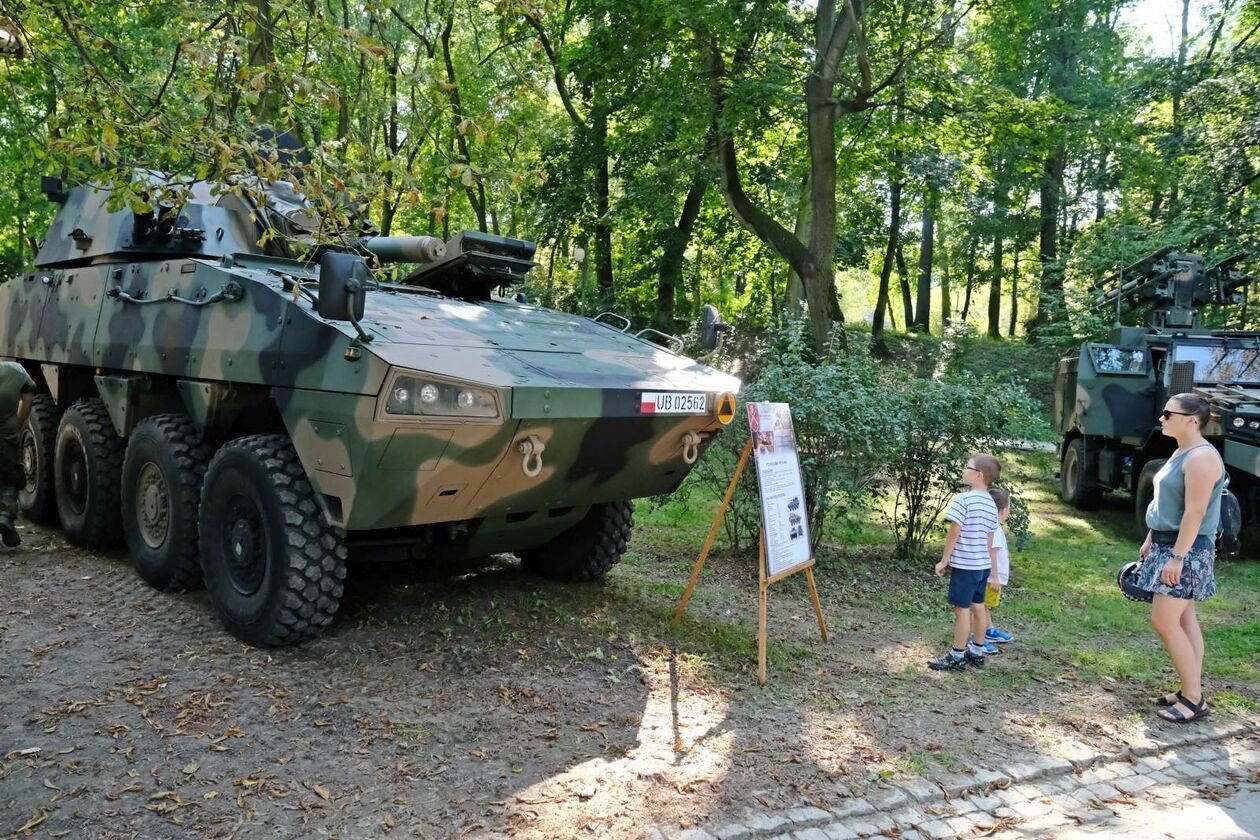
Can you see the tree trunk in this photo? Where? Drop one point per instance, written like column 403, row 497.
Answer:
column 942, row 254
column 603, row 223
column 878, row 346
column 1049, row 300
column 903, row 280
column 1010, row 330
column 995, row 278
column 473, row 188
column 814, row 263
column 795, row 291
column 971, row 276
column 1179, row 87
column 923, row 301
column 669, row 271
column 262, row 55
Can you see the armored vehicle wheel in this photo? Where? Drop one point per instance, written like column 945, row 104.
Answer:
column 273, row 566
column 1145, row 490
column 36, row 444
column 87, row 466
column 587, row 550
column 161, row 493
column 1076, row 478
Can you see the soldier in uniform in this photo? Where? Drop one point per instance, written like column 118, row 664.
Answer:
column 17, row 392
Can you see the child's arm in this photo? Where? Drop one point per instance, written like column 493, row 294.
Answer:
column 995, row 582
column 950, row 540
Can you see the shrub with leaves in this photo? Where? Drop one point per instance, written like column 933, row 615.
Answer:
column 933, row 427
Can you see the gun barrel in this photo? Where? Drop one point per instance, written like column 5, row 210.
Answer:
column 404, row 249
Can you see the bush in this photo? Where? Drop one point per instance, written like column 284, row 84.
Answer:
column 837, row 419
column 934, row 426
column 863, row 430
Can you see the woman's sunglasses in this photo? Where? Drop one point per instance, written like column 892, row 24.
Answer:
column 1166, row 413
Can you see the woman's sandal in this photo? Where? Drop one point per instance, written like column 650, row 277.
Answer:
column 1168, row 699
column 1174, row 712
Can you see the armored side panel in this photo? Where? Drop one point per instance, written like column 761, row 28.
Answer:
column 1115, row 391
column 1065, row 394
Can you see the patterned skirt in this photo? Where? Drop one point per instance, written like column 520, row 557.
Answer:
column 1198, row 578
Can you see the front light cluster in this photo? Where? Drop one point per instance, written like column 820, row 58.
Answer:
column 409, row 396
column 1239, row 422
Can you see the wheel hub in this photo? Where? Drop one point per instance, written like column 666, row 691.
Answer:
column 74, row 474
column 153, row 505
column 30, row 463
column 245, row 546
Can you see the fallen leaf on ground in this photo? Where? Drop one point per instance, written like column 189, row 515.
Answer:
column 39, row 817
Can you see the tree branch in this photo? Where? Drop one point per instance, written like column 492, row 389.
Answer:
column 753, row 218
column 554, row 57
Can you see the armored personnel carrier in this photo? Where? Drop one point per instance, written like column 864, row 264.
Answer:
column 245, row 414
column 1108, row 395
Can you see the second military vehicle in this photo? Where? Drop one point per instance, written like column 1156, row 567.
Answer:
column 1108, row 394
column 244, row 414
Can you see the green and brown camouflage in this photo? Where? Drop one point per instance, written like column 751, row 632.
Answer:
column 1109, row 394
column 441, row 421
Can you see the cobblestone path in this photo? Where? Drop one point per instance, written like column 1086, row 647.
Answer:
column 1040, row 799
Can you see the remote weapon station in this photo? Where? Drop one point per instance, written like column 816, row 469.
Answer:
column 244, row 418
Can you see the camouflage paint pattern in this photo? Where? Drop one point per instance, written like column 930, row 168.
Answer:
column 227, row 334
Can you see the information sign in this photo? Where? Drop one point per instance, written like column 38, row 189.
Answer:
column 783, row 511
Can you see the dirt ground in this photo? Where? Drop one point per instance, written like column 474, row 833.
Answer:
column 476, row 703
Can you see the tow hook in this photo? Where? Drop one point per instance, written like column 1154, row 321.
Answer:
column 691, row 447
column 531, row 450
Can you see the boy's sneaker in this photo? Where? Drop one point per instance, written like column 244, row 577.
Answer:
column 988, row 647
column 1001, row 637
column 949, row 662
column 974, row 659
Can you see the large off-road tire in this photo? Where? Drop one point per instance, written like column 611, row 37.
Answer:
column 161, row 494
column 587, row 550
column 273, row 566
column 1077, row 477
column 36, row 444
column 1144, row 492
column 87, row 463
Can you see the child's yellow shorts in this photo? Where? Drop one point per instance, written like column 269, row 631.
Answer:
column 992, row 597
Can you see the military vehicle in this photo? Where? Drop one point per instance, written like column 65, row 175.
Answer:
column 1108, row 395
column 243, row 417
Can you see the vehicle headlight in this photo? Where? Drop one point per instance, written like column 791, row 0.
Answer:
column 412, row 396
column 1238, row 422
column 1254, row 424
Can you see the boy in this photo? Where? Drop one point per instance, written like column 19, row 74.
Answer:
column 969, row 556
column 993, row 636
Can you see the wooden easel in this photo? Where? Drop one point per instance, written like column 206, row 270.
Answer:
column 763, row 585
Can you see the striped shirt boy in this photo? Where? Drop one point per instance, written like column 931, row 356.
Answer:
column 977, row 517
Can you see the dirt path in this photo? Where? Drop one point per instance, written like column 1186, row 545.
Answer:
column 452, row 705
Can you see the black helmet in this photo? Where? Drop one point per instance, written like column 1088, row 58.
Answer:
column 1127, row 580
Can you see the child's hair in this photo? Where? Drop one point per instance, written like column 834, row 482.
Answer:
column 1001, row 498
column 988, row 466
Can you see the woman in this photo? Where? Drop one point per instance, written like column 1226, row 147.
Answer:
column 1179, row 551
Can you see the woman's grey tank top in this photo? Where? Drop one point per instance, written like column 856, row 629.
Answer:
column 1169, row 505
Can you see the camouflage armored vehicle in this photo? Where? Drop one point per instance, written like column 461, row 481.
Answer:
column 1108, row 395
column 244, row 418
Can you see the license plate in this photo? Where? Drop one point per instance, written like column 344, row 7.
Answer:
column 654, row 403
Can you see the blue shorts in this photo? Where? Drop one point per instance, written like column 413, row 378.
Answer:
column 966, row 586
